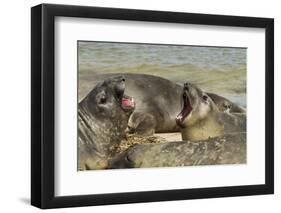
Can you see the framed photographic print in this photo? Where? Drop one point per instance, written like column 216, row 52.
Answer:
column 139, row 106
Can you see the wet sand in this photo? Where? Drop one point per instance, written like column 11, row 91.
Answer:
column 175, row 136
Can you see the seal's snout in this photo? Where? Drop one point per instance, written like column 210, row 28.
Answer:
column 187, row 107
column 186, row 86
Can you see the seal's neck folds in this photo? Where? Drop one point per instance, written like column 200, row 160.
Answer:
column 203, row 130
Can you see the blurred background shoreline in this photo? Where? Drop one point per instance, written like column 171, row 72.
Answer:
column 221, row 70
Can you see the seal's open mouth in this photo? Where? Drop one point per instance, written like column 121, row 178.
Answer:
column 187, row 108
column 128, row 103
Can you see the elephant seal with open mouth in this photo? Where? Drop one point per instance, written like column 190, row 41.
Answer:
column 102, row 119
column 158, row 102
column 201, row 119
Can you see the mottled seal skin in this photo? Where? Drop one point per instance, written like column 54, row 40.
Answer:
column 225, row 105
column 102, row 119
column 228, row 149
column 158, row 102
column 201, row 119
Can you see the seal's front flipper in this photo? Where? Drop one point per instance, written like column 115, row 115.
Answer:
column 143, row 124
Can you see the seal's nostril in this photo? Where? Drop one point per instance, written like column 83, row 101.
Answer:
column 186, row 86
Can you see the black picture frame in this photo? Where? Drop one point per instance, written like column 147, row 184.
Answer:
column 43, row 102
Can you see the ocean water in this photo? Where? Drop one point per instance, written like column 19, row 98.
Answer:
column 221, row 70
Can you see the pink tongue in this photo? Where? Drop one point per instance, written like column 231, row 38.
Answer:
column 127, row 102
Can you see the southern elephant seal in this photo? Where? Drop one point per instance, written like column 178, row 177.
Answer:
column 158, row 102
column 225, row 105
column 201, row 119
column 102, row 119
column 228, row 149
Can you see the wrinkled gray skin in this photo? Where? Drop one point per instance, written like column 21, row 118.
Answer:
column 201, row 119
column 158, row 102
column 101, row 123
column 225, row 105
column 228, row 149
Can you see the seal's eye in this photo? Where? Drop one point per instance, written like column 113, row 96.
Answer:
column 226, row 105
column 205, row 97
column 103, row 100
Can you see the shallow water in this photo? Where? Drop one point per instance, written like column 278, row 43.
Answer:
column 214, row 69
